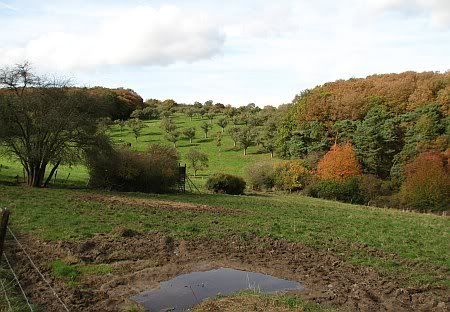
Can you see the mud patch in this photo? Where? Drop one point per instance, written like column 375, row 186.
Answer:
column 153, row 203
column 141, row 262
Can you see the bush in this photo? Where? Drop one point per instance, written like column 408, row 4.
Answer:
column 261, row 176
column 427, row 183
column 347, row 191
column 371, row 187
column 155, row 170
column 291, row 175
column 226, row 183
column 339, row 163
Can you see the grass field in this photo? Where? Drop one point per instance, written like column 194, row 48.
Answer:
column 54, row 214
column 224, row 159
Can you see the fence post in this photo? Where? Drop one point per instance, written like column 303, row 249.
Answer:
column 3, row 228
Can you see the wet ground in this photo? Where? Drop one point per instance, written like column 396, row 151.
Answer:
column 141, row 261
column 187, row 290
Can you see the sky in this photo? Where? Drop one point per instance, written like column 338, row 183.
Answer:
column 233, row 52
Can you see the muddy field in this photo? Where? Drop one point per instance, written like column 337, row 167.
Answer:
column 141, row 261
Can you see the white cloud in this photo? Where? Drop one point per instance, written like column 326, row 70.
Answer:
column 138, row 36
column 438, row 10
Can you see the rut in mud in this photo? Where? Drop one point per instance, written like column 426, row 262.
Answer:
column 140, row 261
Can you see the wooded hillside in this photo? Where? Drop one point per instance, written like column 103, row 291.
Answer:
column 352, row 99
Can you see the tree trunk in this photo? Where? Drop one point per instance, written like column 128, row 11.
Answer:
column 271, row 154
column 190, row 141
column 36, row 175
column 234, row 144
column 245, row 151
column 52, row 172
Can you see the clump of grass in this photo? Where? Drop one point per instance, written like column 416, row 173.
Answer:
column 71, row 273
column 253, row 300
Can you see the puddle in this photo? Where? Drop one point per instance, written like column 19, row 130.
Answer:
column 184, row 291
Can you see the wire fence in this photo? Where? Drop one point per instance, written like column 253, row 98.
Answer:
column 19, row 284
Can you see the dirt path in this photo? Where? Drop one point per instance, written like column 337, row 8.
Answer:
column 141, row 261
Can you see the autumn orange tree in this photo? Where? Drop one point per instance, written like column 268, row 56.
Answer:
column 340, row 163
column 427, row 182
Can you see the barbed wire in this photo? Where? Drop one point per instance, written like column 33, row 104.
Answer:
column 37, row 269
column 18, row 282
column 6, row 295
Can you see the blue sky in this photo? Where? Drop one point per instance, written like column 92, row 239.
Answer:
column 233, row 52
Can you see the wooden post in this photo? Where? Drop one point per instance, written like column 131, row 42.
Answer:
column 3, row 228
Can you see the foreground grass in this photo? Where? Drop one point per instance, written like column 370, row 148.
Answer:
column 406, row 244
column 255, row 301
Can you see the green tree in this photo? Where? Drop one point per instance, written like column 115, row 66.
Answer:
column 421, row 127
column 173, row 137
column 136, row 126
column 44, row 122
column 190, row 112
column 219, row 139
column 377, row 140
column 210, row 116
column 310, row 137
column 197, row 160
column 222, row 122
column 246, row 138
column 205, row 127
column 344, row 130
column 121, row 123
column 168, row 125
column 189, row 133
column 269, row 137
column 234, row 134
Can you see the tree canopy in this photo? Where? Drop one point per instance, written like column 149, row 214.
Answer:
column 45, row 122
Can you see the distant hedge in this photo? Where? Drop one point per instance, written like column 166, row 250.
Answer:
column 120, row 169
column 226, row 183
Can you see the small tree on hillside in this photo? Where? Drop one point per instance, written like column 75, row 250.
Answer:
column 168, row 125
column 121, row 123
column 190, row 112
column 210, row 116
column 136, row 126
column 202, row 111
column 222, row 122
column 197, row 160
column 173, row 136
column 340, row 163
column 189, row 133
column 268, row 137
column 246, row 138
column 219, row 140
column 206, row 127
column 234, row 134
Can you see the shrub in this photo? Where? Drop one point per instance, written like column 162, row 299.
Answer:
column 155, row 170
column 261, row 176
column 371, row 187
column 340, row 163
column 291, row 175
column 347, row 190
column 226, row 183
column 427, row 182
